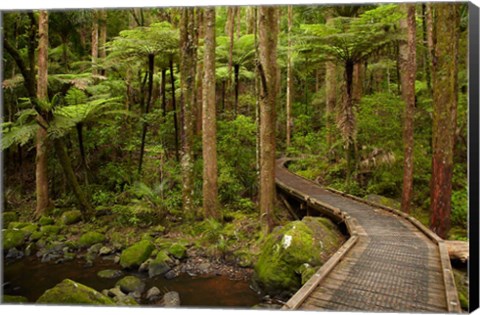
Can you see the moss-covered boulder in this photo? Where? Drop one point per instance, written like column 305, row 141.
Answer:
column 30, row 228
column 130, row 284
column 8, row 217
column 90, row 238
column 287, row 250
column 160, row 265
column 109, row 274
column 13, row 238
column 44, row 220
column 71, row 217
column 136, row 254
column 17, row 225
column 71, row 292
column 49, row 230
column 14, row 299
column 177, row 250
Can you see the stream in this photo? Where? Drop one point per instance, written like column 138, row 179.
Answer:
column 30, row 278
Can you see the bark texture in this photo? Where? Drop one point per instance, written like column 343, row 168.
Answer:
column 446, row 23
column 95, row 43
column 289, row 96
column 268, row 37
column 408, row 71
column 209, row 121
column 41, row 173
column 187, row 69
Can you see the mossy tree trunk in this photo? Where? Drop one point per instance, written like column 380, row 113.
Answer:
column 151, row 67
column 268, row 38
column 187, row 72
column 209, row 121
column 41, row 160
column 446, row 30
column 94, row 42
column 174, row 108
column 407, row 51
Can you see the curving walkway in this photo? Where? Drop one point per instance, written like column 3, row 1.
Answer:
column 389, row 265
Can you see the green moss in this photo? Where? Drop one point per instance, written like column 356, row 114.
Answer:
column 17, row 225
column 178, row 250
column 306, row 271
column 71, row 292
column 462, row 287
column 71, row 217
column 30, row 228
column 8, row 217
column 14, row 299
column 44, row 220
column 50, row 230
column 136, row 254
column 286, row 250
column 131, row 284
column 13, row 238
column 109, row 274
column 90, row 238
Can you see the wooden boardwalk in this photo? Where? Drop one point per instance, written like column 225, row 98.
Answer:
column 391, row 263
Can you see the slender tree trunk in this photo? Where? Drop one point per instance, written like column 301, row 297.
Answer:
column 331, row 100
column 187, row 70
column 426, row 54
column 164, row 92
column 231, row 32
column 151, row 64
column 174, row 108
column 209, row 121
column 102, row 36
column 445, row 98
column 268, row 37
column 199, row 74
column 347, row 123
column 42, row 95
column 289, row 97
column 81, row 147
column 95, row 43
column 236, row 71
column 408, row 70
column 66, row 164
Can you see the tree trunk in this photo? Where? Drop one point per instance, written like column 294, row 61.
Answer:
column 66, row 164
column 81, row 147
column 357, row 88
column 102, row 36
column 445, row 98
column 199, row 75
column 231, row 32
column 408, row 70
column 95, row 42
column 174, row 108
column 42, row 95
column 187, row 71
column 289, row 95
column 426, row 54
column 236, row 70
column 268, row 33
column 164, row 92
column 331, row 100
column 209, row 121
column 151, row 64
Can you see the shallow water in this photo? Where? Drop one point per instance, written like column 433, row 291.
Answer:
column 30, row 278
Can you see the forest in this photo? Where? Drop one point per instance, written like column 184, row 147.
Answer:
column 146, row 140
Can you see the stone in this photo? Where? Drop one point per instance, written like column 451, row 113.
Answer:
column 44, row 220
column 203, row 267
column 14, row 299
column 71, row 217
column 90, row 238
column 94, row 249
column 13, row 238
column 17, row 225
column 170, row 275
column 131, row 284
column 30, row 229
column 105, row 251
column 14, row 254
column 171, row 299
column 49, row 230
column 126, row 300
column 177, row 250
column 71, row 292
column 153, row 294
column 287, row 249
column 35, row 236
column 160, row 265
column 110, row 274
column 136, row 254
